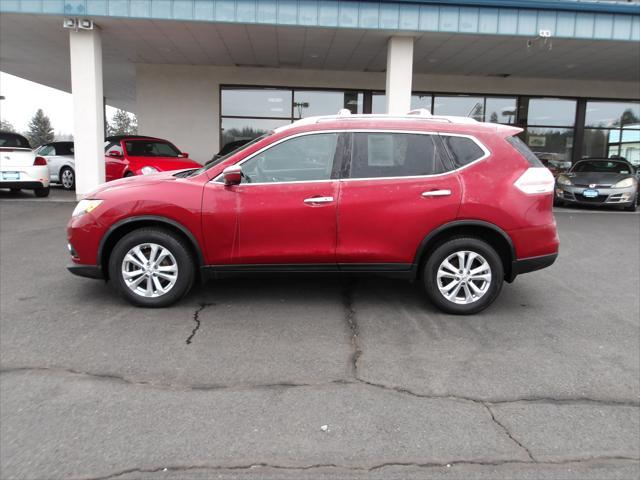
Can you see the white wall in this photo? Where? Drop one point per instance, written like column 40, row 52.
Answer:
column 181, row 102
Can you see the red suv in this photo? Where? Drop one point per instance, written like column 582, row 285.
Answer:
column 460, row 206
column 130, row 155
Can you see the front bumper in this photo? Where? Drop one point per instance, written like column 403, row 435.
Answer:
column 605, row 196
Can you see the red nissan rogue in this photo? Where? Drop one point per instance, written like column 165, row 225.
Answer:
column 458, row 205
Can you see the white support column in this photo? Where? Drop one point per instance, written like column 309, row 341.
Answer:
column 399, row 74
column 85, row 48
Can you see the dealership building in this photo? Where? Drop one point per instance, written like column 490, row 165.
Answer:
column 203, row 73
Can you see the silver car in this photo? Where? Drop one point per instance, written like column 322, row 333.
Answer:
column 61, row 161
column 606, row 182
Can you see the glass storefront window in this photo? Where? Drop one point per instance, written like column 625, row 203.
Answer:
column 551, row 145
column 234, row 129
column 309, row 103
column 551, row 111
column 500, row 110
column 461, row 106
column 244, row 102
column 612, row 114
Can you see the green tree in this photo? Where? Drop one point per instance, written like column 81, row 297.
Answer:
column 6, row 126
column 40, row 129
column 123, row 123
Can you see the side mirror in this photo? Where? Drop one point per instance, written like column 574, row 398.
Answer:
column 232, row 175
column 184, row 155
column 115, row 154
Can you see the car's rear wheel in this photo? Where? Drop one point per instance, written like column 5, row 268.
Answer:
column 41, row 192
column 15, row 190
column 68, row 178
column 463, row 275
column 151, row 267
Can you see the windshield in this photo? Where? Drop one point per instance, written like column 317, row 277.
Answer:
column 13, row 140
column 150, row 148
column 602, row 166
column 218, row 160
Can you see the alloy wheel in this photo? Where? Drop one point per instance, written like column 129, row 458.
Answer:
column 149, row 270
column 67, row 178
column 464, row 277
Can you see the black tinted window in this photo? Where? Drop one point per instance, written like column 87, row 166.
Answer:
column 13, row 140
column 385, row 154
column 602, row 166
column 150, row 148
column 525, row 151
column 463, row 150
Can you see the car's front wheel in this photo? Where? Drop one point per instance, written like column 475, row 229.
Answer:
column 151, row 267
column 68, row 178
column 463, row 275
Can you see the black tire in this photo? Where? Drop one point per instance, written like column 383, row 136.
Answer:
column 175, row 245
column 68, row 171
column 448, row 248
column 558, row 202
column 129, row 174
column 15, row 190
column 41, row 192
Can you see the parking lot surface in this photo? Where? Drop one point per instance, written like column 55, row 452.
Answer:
column 324, row 378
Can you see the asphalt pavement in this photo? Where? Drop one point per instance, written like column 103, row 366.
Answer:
column 327, row 378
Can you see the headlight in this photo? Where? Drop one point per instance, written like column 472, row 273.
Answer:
column 627, row 182
column 563, row 180
column 85, row 206
column 148, row 170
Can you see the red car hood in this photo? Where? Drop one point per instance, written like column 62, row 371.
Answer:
column 133, row 182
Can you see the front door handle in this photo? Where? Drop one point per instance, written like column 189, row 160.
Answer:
column 313, row 200
column 436, row 193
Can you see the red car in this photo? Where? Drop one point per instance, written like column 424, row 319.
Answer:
column 130, row 155
column 458, row 205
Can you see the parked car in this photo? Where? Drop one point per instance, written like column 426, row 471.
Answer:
column 61, row 162
column 604, row 182
column 230, row 147
column 139, row 155
column 458, row 205
column 20, row 167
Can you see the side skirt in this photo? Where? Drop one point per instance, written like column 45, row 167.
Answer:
column 394, row 270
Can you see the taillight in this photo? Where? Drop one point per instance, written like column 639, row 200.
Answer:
column 536, row 180
column 41, row 161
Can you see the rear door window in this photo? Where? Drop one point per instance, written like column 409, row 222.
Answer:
column 388, row 154
column 462, row 150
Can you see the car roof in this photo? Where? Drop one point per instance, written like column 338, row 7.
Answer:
column 418, row 120
column 118, row 138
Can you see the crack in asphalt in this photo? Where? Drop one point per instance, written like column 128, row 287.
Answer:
column 184, row 468
column 196, row 318
column 352, row 323
column 508, row 432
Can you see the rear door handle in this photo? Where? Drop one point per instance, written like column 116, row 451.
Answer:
column 313, row 200
column 436, row 193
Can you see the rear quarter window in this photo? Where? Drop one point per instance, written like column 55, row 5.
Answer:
column 462, row 150
column 525, row 151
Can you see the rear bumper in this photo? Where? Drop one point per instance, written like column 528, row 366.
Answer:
column 87, row 271
column 531, row 264
column 19, row 184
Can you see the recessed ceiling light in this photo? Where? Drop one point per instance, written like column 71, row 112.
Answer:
column 433, row 60
column 314, row 55
column 571, row 65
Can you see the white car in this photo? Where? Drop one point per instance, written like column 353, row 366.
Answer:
column 61, row 161
column 20, row 167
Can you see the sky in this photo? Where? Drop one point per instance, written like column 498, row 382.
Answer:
column 23, row 98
